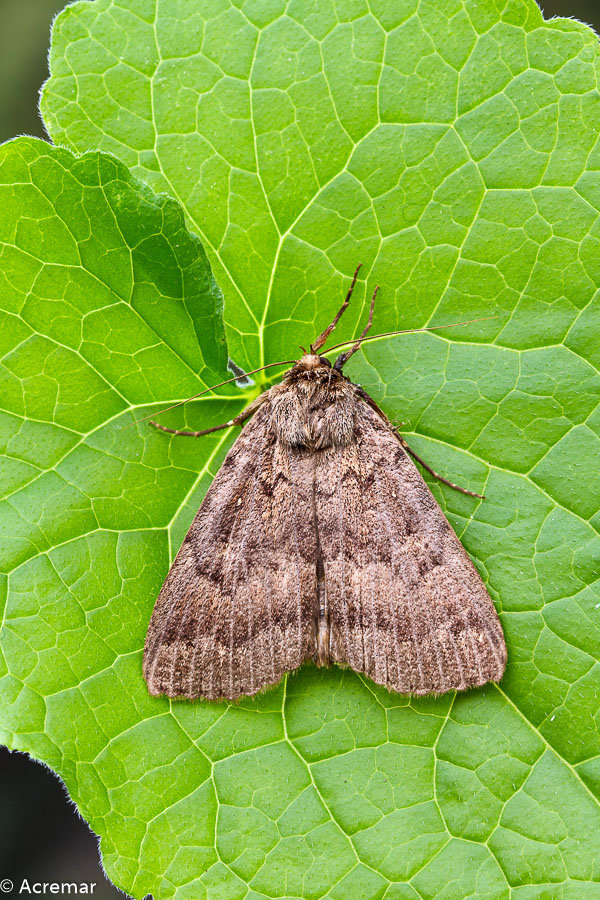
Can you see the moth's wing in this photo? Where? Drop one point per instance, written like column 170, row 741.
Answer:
column 407, row 606
column 237, row 609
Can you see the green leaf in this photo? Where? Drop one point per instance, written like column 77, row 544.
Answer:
column 452, row 145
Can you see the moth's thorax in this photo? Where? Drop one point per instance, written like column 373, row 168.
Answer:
column 314, row 406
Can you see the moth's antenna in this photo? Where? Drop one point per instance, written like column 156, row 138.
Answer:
column 290, row 362
column 285, row 362
column 373, row 337
column 344, row 357
column 318, row 343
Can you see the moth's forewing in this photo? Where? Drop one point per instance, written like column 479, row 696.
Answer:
column 237, row 608
column 407, row 606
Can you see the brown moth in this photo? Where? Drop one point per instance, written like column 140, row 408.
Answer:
column 319, row 540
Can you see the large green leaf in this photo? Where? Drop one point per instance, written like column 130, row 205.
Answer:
column 452, row 145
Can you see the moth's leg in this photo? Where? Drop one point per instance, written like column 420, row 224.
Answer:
column 344, row 357
column 363, row 394
column 437, row 476
column 238, row 420
column 318, row 343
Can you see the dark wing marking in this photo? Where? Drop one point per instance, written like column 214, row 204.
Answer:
column 407, row 606
column 237, row 609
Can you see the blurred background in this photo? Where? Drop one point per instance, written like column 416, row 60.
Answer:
column 41, row 835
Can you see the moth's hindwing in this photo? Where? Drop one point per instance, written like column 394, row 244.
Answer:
column 407, row 606
column 237, row 609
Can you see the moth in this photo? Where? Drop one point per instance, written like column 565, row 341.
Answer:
column 319, row 540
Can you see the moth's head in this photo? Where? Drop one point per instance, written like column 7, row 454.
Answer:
column 310, row 362
column 311, row 366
